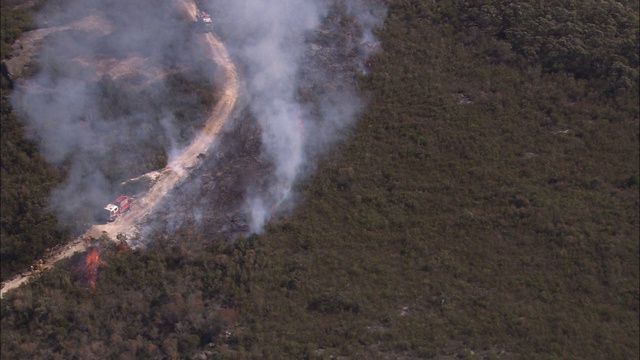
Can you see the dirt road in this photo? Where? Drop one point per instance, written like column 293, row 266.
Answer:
column 177, row 169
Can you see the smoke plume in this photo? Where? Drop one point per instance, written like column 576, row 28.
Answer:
column 288, row 48
column 104, row 93
column 106, row 100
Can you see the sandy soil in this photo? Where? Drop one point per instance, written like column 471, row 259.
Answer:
column 175, row 172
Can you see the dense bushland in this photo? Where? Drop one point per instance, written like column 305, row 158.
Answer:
column 485, row 206
column 26, row 228
column 595, row 40
column 167, row 289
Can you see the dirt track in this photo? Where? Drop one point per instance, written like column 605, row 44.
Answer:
column 167, row 178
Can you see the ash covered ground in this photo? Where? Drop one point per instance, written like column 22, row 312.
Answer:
column 211, row 199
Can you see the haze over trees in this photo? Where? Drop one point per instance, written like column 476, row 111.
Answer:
column 25, row 230
column 485, row 205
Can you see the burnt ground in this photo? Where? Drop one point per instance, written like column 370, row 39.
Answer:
column 209, row 204
column 211, row 199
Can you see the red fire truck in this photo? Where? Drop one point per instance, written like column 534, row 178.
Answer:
column 112, row 211
column 204, row 19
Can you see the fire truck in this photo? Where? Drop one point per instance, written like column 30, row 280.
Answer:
column 120, row 206
column 204, row 19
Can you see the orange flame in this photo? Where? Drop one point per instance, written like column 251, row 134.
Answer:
column 91, row 262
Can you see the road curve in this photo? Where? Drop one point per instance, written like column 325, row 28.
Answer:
column 175, row 172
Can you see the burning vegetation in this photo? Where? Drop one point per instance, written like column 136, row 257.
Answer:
column 87, row 270
column 98, row 250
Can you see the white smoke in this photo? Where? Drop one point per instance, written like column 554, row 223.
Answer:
column 274, row 40
column 282, row 47
column 96, row 134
